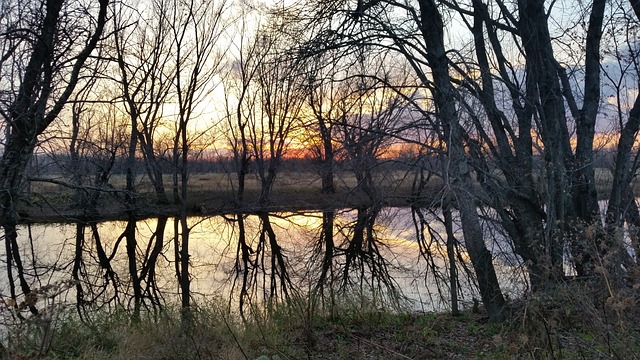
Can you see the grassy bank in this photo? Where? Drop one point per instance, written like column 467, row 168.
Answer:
column 215, row 193
column 573, row 324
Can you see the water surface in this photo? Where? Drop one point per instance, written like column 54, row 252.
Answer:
column 253, row 258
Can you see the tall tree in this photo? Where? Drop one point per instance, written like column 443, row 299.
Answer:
column 146, row 73
column 51, row 59
column 280, row 98
column 195, row 28
column 323, row 96
column 419, row 38
column 622, row 204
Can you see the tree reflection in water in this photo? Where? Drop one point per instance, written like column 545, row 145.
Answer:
column 364, row 267
column 435, row 247
column 261, row 266
column 352, row 259
column 259, row 259
column 98, row 284
column 91, row 286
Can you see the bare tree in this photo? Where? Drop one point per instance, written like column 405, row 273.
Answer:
column 372, row 116
column 194, row 28
column 280, row 98
column 241, row 110
column 146, row 74
column 46, row 71
column 323, row 96
column 622, row 205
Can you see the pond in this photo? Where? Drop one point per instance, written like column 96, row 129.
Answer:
column 390, row 254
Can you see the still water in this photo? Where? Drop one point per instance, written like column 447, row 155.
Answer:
column 284, row 254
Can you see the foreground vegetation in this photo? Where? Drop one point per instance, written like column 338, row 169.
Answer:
column 575, row 323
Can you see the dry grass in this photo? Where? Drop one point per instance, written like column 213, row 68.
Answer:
column 574, row 323
column 295, row 180
column 216, row 192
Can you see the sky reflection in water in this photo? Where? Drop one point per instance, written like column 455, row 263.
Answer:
column 48, row 254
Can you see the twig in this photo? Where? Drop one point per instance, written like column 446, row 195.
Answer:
column 235, row 339
column 379, row 346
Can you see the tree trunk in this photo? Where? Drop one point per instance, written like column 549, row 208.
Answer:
column 328, row 186
column 459, row 177
column 451, row 254
column 545, row 86
column 132, row 247
column 613, row 249
column 15, row 158
column 154, row 170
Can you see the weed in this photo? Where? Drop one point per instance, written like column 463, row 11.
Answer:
column 567, row 325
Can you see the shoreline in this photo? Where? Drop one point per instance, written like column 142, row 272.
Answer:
column 66, row 213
